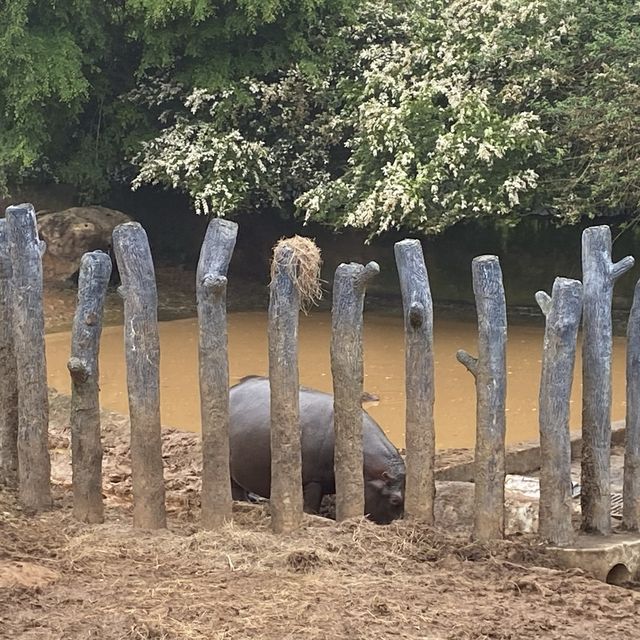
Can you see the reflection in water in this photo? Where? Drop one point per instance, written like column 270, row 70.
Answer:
column 384, row 371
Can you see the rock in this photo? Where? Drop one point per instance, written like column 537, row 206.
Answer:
column 71, row 233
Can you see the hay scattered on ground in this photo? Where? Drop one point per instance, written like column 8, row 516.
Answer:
column 301, row 259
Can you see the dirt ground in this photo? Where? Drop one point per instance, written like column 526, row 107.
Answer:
column 60, row 579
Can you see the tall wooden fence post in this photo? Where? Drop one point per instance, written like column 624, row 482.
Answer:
column 8, row 372
column 211, row 292
column 349, row 285
column 489, row 370
column 420, row 432
column 86, row 446
column 562, row 310
column 599, row 276
column 26, row 250
column 142, row 348
column 631, row 489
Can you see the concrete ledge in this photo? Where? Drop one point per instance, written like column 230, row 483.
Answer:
column 614, row 559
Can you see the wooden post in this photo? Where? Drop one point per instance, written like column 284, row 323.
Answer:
column 631, row 490
column 8, row 372
column 286, row 458
column 26, row 250
column 211, row 291
column 142, row 348
column 562, row 310
column 420, row 434
column 349, row 285
column 489, row 370
column 86, row 446
column 599, row 276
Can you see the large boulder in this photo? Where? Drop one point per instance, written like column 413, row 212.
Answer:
column 71, row 233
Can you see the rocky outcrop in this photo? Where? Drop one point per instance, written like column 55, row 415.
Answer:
column 71, row 233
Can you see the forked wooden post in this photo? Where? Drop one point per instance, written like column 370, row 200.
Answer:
column 562, row 310
column 286, row 456
column 599, row 276
column 211, row 292
column 489, row 371
column 142, row 350
column 349, row 286
column 420, row 433
column 26, row 250
column 631, row 489
column 8, row 372
column 86, row 446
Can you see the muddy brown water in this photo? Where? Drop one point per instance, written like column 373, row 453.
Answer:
column 384, row 371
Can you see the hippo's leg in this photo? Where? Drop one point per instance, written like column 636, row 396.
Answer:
column 312, row 493
column 237, row 492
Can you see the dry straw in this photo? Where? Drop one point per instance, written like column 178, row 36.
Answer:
column 301, row 259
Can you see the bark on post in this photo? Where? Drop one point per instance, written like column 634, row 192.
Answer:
column 420, row 433
column 349, row 287
column 489, row 371
column 562, row 310
column 142, row 349
column 26, row 250
column 599, row 276
column 286, row 499
column 211, row 292
column 631, row 489
column 86, row 446
column 8, row 372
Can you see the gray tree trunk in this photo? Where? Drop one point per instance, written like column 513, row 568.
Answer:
column 420, row 433
column 211, row 292
column 562, row 310
column 86, row 446
column 349, row 287
column 286, row 499
column 631, row 491
column 489, row 370
column 599, row 276
column 142, row 350
column 34, row 465
column 8, row 372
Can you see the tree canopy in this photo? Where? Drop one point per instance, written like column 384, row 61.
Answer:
column 376, row 114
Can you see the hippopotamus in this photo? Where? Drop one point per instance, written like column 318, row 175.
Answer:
column 250, row 451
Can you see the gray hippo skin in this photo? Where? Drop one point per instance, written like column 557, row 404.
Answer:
column 250, row 451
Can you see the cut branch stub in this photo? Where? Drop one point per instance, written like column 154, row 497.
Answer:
column 599, row 275
column 419, row 374
column 8, row 372
column 142, row 350
column 562, row 310
column 86, row 446
column 349, row 287
column 211, row 288
column 489, row 371
column 34, row 465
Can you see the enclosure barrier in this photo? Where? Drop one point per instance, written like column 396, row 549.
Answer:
column 86, row 447
column 420, row 488
column 211, row 293
column 562, row 313
column 142, row 351
column 489, row 371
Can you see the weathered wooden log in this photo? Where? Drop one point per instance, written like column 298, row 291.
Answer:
column 599, row 276
column 142, row 350
column 489, row 370
column 26, row 250
column 349, row 286
column 8, row 372
column 562, row 310
column 286, row 499
column 86, row 446
column 631, row 485
column 211, row 292
column 419, row 434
